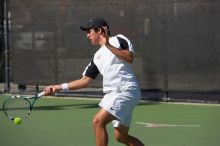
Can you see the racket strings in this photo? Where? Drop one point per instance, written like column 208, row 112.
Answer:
column 17, row 107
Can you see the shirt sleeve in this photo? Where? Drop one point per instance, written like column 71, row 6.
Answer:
column 91, row 70
column 125, row 43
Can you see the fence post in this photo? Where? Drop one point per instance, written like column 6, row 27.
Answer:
column 6, row 46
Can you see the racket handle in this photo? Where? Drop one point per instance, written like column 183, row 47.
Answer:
column 41, row 94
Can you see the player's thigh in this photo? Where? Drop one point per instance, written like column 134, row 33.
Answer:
column 103, row 117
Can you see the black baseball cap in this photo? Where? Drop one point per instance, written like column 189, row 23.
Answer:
column 94, row 23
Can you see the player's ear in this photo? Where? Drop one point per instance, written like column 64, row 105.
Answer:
column 100, row 30
column 105, row 30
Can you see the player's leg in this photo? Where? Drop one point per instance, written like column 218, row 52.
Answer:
column 100, row 120
column 121, row 135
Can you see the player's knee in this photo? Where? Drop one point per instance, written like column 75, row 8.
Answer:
column 97, row 122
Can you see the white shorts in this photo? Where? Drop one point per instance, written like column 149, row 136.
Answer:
column 121, row 105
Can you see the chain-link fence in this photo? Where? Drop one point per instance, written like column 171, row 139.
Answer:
column 177, row 41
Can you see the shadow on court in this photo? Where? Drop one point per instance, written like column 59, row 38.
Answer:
column 81, row 106
column 64, row 107
column 148, row 103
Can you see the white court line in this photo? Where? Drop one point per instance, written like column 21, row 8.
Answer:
column 155, row 125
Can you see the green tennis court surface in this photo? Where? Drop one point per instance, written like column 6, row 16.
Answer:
column 67, row 122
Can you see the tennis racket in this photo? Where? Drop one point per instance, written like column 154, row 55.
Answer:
column 19, row 106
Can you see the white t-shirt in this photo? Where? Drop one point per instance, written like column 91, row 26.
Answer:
column 117, row 74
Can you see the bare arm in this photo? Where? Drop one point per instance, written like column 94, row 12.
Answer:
column 125, row 55
column 73, row 85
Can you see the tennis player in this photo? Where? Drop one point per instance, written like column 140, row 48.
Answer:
column 122, row 93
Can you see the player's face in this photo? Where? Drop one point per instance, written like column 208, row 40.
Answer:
column 93, row 36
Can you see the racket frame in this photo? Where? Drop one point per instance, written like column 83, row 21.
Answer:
column 26, row 98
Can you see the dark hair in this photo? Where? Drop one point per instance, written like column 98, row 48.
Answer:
column 97, row 29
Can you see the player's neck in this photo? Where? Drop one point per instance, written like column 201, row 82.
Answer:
column 102, row 41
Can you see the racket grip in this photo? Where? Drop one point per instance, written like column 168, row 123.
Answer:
column 41, row 94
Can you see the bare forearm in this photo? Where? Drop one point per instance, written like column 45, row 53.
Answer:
column 73, row 85
column 77, row 84
column 125, row 55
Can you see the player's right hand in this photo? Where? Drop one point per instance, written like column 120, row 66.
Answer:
column 52, row 89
